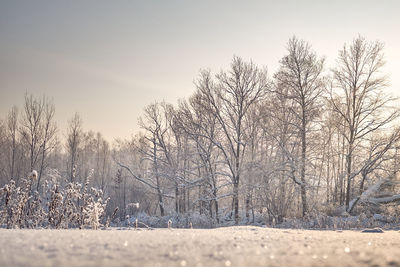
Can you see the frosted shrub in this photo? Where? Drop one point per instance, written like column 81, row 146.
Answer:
column 14, row 203
column 36, row 215
column 60, row 207
column 11, row 204
column 94, row 209
column 70, row 205
column 55, row 214
column 76, row 206
column 93, row 214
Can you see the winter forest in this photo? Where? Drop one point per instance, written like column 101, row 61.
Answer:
column 307, row 145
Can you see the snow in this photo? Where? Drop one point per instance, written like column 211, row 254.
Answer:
column 229, row 246
column 33, row 175
column 385, row 199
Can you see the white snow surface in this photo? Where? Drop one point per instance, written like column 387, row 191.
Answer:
column 229, row 246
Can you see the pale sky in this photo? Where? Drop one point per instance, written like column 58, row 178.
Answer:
column 107, row 60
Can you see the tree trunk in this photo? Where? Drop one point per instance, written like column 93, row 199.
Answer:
column 247, row 207
column 216, row 210
column 13, row 157
column 176, row 198
column 349, row 161
column 236, row 201
column 160, row 198
column 41, row 165
column 348, row 176
column 303, row 166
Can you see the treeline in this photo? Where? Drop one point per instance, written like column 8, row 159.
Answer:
column 306, row 139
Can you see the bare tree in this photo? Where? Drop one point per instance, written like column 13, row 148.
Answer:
column 49, row 140
column 229, row 99
column 74, row 139
column 280, row 150
column 301, row 73
column 358, row 97
column 102, row 161
column 32, row 127
column 155, row 126
column 3, row 154
column 169, row 144
column 252, row 169
column 200, row 126
column 12, row 129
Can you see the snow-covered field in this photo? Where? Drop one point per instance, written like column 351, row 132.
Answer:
column 231, row 246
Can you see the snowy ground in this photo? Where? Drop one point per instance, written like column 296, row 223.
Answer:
column 231, row 246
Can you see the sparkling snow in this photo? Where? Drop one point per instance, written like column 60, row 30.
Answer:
column 231, row 246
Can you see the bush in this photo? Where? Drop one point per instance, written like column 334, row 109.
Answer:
column 72, row 206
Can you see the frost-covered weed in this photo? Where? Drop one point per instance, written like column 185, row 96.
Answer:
column 94, row 208
column 36, row 215
column 15, row 204
column 11, row 198
column 55, row 214
column 73, row 205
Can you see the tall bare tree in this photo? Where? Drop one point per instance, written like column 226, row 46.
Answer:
column 12, row 129
column 32, row 127
column 3, row 154
column 49, row 140
column 201, row 127
column 155, row 127
column 358, row 97
column 74, row 139
column 229, row 97
column 301, row 73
